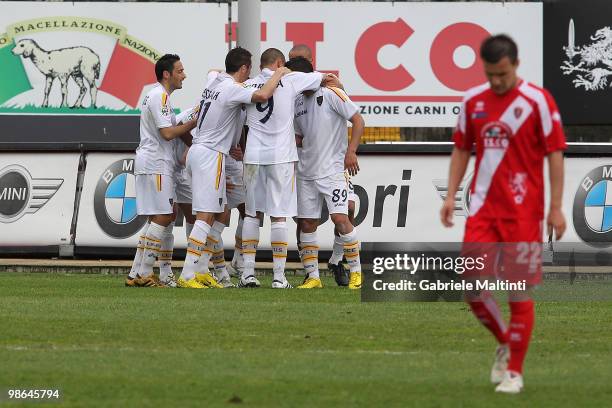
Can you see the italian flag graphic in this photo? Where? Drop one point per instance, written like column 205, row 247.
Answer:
column 11, row 69
column 129, row 69
column 141, row 71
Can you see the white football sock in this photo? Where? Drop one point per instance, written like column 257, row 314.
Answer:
column 237, row 259
column 165, row 252
column 338, row 249
column 195, row 246
column 278, row 238
column 188, row 229
column 310, row 254
column 139, row 251
column 351, row 250
column 218, row 257
column 151, row 249
column 250, row 240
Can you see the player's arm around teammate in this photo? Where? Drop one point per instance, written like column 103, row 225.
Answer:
column 260, row 95
column 154, row 167
column 217, row 123
column 343, row 225
column 324, row 157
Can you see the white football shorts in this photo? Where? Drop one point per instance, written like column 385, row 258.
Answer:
column 270, row 189
column 183, row 188
column 154, row 194
column 234, row 176
column 311, row 194
column 206, row 169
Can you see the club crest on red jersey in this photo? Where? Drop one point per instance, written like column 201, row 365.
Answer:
column 496, row 135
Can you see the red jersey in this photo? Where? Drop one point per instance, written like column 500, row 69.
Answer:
column 513, row 133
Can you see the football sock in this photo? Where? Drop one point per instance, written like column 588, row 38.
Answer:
column 300, row 251
column 165, row 252
column 218, row 257
column 139, row 251
column 151, row 249
column 209, row 249
column 487, row 311
column 237, row 258
column 250, row 240
column 338, row 251
column 188, row 229
column 278, row 238
column 522, row 317
column 195, row 247
column 351, row 250
column 310, row 254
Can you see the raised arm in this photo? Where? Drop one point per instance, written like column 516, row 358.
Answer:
column 266, row 91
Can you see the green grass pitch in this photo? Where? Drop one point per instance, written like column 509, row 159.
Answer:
column 106, row 345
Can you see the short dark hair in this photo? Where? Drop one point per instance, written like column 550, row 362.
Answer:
column 496, row 47
column 236, row 58
column 302, row 50
column 270, row 56
column 165, row 63
column 299, row 64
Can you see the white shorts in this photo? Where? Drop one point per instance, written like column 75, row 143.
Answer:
column 351, row 189
column 183, row 188
column 234, row 170
column 154, row 194
column 270, row 189
column 311, row 194
column 234, row 175
column 236, row 196
column 207, row 172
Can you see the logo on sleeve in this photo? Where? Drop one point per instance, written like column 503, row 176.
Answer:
column 165, row 106
column 518, row 111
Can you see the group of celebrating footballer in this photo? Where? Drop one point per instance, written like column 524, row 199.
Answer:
column 275, row 144
column 297, row 155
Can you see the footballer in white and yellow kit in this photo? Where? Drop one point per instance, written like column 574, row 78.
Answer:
column 324, row 156
column 154, row 172
column 217, row 124
column 270, row 160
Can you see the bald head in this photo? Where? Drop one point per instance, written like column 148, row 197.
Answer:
column 272, row 57
column 301, row 50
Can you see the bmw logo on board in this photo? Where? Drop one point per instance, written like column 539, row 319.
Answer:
column 592, row 213
column 115, row 200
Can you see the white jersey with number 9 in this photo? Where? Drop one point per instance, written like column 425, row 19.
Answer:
column 271, row 137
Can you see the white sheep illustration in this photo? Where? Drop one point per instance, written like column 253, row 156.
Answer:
column 63, row 63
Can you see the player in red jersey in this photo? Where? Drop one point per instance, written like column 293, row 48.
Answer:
column 513, row 125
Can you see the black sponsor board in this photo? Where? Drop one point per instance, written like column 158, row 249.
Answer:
column 66, row 132
column 577, row 59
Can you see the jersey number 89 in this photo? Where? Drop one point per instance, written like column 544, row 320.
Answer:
column 337, row 194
